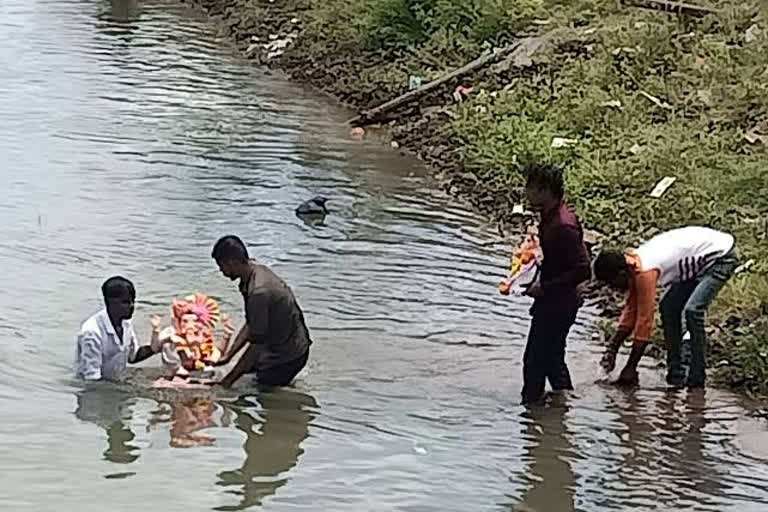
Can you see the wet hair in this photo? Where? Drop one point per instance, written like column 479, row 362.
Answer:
column 229, row 248
column 545, row 175
column 118, row 287
column 609, row 264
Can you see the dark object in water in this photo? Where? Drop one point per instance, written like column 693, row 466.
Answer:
column 315, row 206
column 313, row 212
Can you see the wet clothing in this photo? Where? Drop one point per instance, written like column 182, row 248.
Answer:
column 275, row 320
column 564, row 267
column 544, row 357
column 100, row 353
column 283, row 374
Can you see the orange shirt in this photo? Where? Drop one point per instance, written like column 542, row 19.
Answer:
column 640, row 306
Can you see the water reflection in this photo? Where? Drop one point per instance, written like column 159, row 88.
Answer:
column 685, row 423
column 110, row 409
column 188, row 416
column 274, row 434
column 551, row 478
column 124, row 10
column 665, row 440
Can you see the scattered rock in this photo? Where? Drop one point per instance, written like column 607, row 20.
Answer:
column 656, row 101
column 357, row 132
column 394, row 144
column 752, row 33
column 705, row 96
column 744, row 267
column 523, row 56
column 612, row 104
column 593, row 238
column 662, row 186
column 756, row 135
column 561, row 142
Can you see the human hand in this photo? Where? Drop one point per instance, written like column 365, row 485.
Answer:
column 155, row 322
column 221, row 362
column 227, row 323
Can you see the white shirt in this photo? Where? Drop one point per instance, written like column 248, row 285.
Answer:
column 683, row 254
column 100, row 353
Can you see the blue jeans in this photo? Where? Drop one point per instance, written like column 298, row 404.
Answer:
column 690, row 299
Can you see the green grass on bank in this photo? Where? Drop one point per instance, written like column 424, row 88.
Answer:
column 714, row 87
column 643, row 94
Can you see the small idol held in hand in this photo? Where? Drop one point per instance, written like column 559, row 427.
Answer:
column 523, row 267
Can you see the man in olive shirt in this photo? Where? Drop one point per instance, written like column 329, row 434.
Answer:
column 277, row 337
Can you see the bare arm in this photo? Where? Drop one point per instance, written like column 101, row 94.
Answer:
column 257, row 321
column 240, row 340
column 144, row 352
column 147, row 351
column 244, row 364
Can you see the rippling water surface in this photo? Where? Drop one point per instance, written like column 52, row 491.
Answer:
column 131, row 138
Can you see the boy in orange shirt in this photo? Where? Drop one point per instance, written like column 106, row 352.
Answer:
column 695, row 263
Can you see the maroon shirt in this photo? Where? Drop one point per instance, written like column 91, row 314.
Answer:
column 566, row 260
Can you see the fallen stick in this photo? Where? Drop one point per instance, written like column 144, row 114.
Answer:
column 673, row 7
column 370, row 115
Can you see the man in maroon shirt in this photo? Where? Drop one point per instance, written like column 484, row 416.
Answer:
column 556, row 294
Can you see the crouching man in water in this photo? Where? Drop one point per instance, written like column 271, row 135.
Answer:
column 695, row 262
column 277, row 337
column 106, row 342
column 556, row 295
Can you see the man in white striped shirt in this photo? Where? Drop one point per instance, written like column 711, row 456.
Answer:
column 694, row 263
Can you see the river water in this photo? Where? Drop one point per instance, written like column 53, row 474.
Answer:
column 131, row 138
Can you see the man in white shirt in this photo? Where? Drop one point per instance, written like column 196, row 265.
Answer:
column 106, row 342
column 693, row 263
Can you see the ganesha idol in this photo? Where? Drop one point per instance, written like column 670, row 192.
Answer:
column 188, row 346
column 523, row 267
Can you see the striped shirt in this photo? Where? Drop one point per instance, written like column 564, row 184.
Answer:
column 672, row 257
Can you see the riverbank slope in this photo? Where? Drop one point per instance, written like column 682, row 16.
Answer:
column 621, row 96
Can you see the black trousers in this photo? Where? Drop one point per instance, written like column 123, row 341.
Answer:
column 283, row 374
column 544, row 357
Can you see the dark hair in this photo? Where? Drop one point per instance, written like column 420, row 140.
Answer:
column 609, row 264
column 545, row 175
column 117, row 287
column 229, row 248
